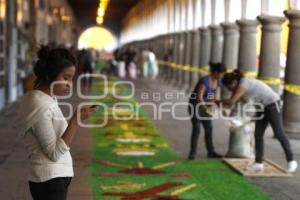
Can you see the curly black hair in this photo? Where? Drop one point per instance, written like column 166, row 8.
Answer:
column 51, row 62
column 217, row 68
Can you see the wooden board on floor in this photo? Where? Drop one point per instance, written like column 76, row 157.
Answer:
column 271, row 169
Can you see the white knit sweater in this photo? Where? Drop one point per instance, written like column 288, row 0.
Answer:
column 41, row 125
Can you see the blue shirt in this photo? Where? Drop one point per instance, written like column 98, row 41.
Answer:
column 209, row 93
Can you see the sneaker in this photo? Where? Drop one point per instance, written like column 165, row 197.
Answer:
column 292, row 166
column 255, row 167
column 214, row 155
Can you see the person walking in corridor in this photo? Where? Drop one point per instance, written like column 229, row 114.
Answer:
column 43, row 128
column 206, row 91
column 263, row 95
column 152, row 65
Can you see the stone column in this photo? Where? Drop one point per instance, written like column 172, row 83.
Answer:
column 269, row 65
column 205, row 48
column 195, row 57
column 165, row 67
column 230, row 50
column 170, row 46
column 162, row 42
column 177, row 58
column 187, row 60
column 11, row 50
column 157, row 45
column 291, row 108
column 181, row 45
column 247, row 46
column 182, row 59
column 216, row 44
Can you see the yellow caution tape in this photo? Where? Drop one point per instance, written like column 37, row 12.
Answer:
column 174, row 65
column 271, row 81
column 186, row 68
column 203, row 70
column 161, row 62
column 251, row 74
column 182, row 190
column 292, row 88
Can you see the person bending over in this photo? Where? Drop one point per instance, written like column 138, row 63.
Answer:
column 270, row 114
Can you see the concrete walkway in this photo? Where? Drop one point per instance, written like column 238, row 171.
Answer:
column 13, row 164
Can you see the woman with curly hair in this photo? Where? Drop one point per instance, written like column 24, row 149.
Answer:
column 45, row 132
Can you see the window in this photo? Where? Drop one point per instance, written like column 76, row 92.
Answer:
column 206, row 12
column 294, row 4
column 253, row 9
column 273, row 9
column 235, row 10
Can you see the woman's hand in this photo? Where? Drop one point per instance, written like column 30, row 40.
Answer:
column 87, row 112
column 83, row 114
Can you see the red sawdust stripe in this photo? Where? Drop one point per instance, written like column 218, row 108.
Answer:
column 152, row 192
column 109, row 174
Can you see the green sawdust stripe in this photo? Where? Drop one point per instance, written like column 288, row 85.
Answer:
column 221, row 182
column 213, row 179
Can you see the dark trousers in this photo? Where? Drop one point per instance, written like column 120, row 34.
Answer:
column 54, row 189
column 272, row 115
column 208, row 129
